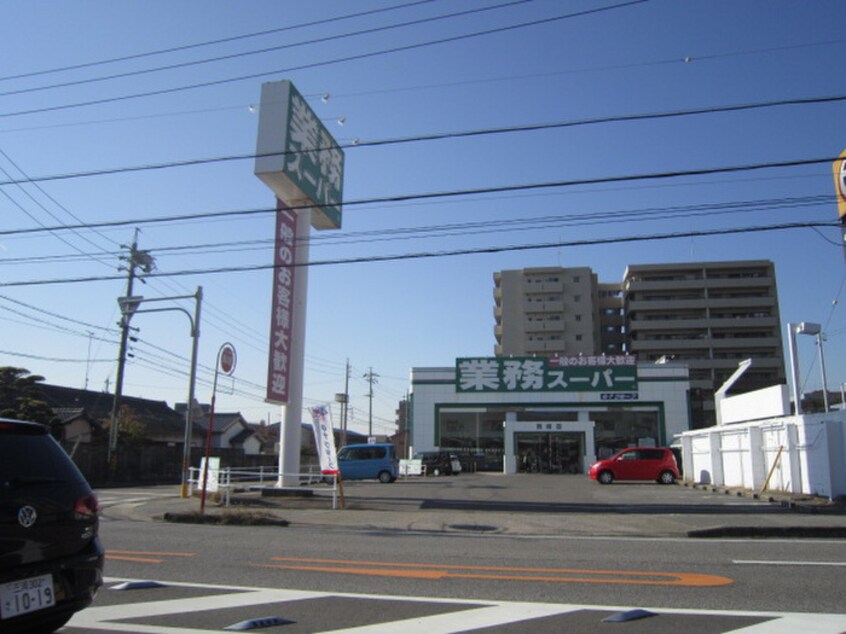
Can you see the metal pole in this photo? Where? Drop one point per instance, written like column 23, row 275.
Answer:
column 290, row 430
column 345, row 405
column 822, row 369
column 195, row 336
column 209, row 432
column 794, row 369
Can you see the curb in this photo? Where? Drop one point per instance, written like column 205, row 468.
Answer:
column 228, row 518
column 807, row 532
column 800, row 504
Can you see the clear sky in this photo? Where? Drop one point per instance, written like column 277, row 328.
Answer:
column 91, row 88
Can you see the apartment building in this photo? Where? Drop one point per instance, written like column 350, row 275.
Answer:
column 711, row 316
column 553, row 310
column 708, row 315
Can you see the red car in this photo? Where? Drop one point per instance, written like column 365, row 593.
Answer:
column 637, row 463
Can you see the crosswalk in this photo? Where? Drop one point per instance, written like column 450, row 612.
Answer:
column 193, row 608
column 133, row 496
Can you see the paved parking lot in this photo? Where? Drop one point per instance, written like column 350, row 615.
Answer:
column 516, row 504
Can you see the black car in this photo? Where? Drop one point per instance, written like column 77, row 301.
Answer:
column 51, row 559
column 439, row 463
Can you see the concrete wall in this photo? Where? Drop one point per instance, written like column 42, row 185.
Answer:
column 794, row 454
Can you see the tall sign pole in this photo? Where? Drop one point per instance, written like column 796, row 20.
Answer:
column 301, row 163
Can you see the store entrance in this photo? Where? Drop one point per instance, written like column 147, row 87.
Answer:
column 549, row 452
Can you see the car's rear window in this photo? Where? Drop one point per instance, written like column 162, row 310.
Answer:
column 368, row 452
column 27, row 454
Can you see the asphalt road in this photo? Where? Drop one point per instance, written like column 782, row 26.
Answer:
column 346, row 575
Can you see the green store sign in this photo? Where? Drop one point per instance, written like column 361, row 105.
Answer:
column 614, row 373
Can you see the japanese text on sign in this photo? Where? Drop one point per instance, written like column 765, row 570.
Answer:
column 542, row 374
column 315, row 161
column 324, row 440
column 297, row 157
column 279, row 361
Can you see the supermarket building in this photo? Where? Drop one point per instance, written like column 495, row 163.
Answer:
column 552, row 414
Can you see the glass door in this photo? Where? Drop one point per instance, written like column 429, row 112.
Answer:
column 549, row 452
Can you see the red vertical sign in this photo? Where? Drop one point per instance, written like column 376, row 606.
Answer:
column 279, row 359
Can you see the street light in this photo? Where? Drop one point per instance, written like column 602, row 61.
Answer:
column 805, row 328
column 129, row 307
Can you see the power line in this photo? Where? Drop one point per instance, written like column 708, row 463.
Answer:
column 55, row 315
column 311, row 65
column 448, row 194
column 482, row 227
column 462, row 83
column 37, row 357
column 441, row 136
column 321, row 40
column 234, row 38
column 451, row 253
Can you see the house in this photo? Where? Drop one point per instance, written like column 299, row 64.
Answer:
column 230, row 430
column 84, row 414
column 77, row 425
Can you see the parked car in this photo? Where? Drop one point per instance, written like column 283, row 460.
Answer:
column 51, row 559
column 439, row 463
column 366, row 461
column 640, row 463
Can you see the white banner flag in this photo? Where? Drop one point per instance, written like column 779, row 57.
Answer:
column 324, row 440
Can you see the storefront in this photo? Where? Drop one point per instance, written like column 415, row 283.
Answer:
column 549, row 415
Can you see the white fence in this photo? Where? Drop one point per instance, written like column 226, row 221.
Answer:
column 226, row 480
column 794, row 454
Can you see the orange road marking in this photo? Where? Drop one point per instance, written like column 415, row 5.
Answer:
column 143, row 556
column 434, row 572
column 144, row 560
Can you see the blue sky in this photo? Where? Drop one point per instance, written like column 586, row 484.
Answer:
column 85, row 87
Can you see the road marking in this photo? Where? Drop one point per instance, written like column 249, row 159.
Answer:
column 753, row 562
column 477, row 615
column 144, row 556
column 558, row 575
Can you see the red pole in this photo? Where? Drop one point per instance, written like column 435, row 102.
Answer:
column 227, row 364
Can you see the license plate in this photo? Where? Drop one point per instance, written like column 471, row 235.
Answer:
column 26, row 595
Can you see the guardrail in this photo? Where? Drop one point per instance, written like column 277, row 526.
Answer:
column 226, row 480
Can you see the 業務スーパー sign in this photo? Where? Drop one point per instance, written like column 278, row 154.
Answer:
column 603, row 373
column 297, row 157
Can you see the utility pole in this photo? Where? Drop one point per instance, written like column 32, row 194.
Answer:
column 345, row 404
column 344, row 400
column 144, row 260
column 371, row 377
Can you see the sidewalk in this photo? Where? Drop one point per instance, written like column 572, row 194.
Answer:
column 531, row 505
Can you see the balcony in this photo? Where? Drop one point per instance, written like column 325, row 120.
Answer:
column 669, row 304
column 634, row 286
column 543, row 307
column 545, row 326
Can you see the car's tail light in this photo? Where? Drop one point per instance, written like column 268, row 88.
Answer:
column 86, row 506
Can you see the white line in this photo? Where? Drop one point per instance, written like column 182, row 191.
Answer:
column 477, row 613
column 753, row 562
column 807, row 624
column 470, row 619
